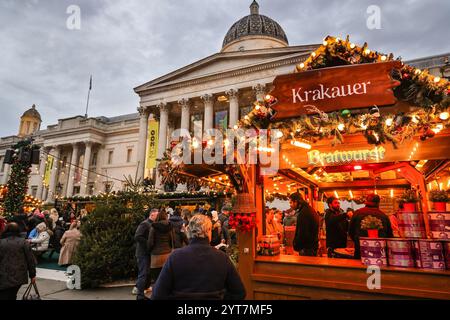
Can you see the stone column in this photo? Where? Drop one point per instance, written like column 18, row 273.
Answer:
column 260, row 91
column 209, row 111
column 73, row 162
column 163, row 125
column 234, row 107
column 185, row 113
column 86, row 164
column 6, row 173
column 162, row 138
column 142, row 141
column 40, row 189
column 56, row 152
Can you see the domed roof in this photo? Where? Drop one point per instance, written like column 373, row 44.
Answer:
column 32, row 112
column 255, row 24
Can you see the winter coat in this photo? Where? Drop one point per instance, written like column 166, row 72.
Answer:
column 160, row 238
column 69, row 242
column 216, row 233
column 41, row 242
column 141, row 238
column 186, row 275
column 307, row 228
column 336, row 224
column 180, row 239
column 16, row 262
column 58, row 234
column 356, row 232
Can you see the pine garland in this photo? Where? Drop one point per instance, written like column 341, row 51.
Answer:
column 429, row 96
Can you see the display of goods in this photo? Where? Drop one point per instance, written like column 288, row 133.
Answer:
column 429, row 254
column 373, row 251
column 411, row 225
column 289, row 234
column 269, row 245
column 439, row 225
column 446, row 245
column 400, row 253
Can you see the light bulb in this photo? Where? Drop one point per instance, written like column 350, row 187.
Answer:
column 367, row 51
column 279, row 134
column 418, row 71
column 257, row 107
column 313, row 54
column 341, row 127
column 389, row 122
column 325, row 43
column 302, row 65
column 437, row 79
column 352, row 46
column 444, row 115
column 383, row 58
column 414, row 119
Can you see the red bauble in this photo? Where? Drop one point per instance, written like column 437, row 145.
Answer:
column 406, row 76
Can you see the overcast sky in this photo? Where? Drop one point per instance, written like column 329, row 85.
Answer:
column 124, row 43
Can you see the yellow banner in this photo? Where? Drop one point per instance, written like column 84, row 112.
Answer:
column 48, row 169
column 152, row 144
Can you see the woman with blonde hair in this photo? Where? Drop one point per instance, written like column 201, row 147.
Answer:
column 54, row 216
column 69, row 243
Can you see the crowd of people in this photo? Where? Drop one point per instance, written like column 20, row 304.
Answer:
column 337, row 224
column 201, row 234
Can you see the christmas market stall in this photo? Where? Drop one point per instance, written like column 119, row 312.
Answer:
column 348, row 123
column 351, row 122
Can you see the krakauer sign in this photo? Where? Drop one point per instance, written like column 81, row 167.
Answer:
column 336, row 88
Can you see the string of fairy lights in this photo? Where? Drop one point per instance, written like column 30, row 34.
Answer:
column 68, row 165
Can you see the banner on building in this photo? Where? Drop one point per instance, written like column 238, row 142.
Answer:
column 152, row 144
column 48, row 169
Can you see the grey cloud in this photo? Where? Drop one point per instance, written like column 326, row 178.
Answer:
column 126, row 43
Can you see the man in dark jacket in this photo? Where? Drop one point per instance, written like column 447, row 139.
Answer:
column 306, row 240
column 185, row 274
column 336, row 222
column 16, row 263
column 180, row 238
column 371, row 209
column 143, row 254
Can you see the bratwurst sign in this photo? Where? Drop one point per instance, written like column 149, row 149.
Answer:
column 331, row 89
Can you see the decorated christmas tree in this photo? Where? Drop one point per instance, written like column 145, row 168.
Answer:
column 18, row 181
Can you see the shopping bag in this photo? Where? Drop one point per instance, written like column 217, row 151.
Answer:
column 30, row 296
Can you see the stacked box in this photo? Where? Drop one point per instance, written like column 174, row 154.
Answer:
column 429, row 254
column 411, row 225
column 439, row 225
column 400, row 253
column 373, row 251
column 269, row 245
column 446, row 245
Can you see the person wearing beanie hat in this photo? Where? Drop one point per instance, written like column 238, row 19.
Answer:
column 371, row 209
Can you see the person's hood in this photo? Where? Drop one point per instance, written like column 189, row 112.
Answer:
column 176, row 219
column 162, row 226
column 41, row 227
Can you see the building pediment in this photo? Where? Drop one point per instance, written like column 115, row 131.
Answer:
column 222, row 63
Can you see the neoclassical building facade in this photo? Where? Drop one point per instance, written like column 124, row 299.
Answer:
column 94, row 155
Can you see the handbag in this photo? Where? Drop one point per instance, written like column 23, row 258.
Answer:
column 30, row 296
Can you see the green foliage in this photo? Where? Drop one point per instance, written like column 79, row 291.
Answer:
column 107, row 250
column 409, row 196
column 370, row 223
column 438, row 196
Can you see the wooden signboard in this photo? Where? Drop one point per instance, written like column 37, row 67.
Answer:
column 331, row 89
